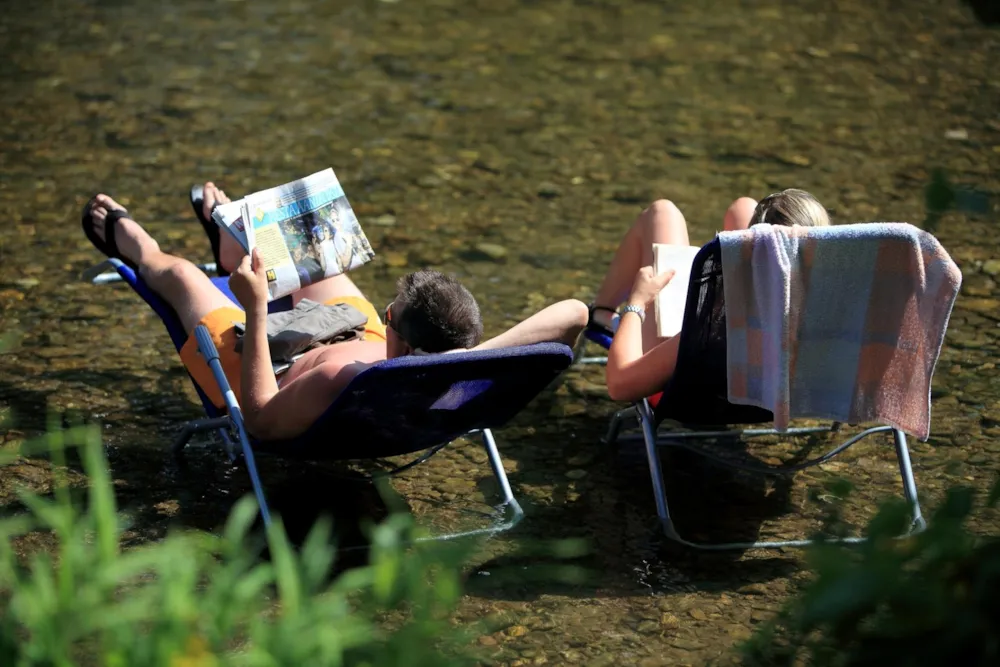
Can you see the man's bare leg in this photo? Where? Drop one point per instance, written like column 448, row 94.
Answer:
column 179, row 282
column 231, row 254
column 661, row 222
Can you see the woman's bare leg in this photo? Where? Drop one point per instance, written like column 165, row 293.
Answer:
column 738, row 214
column 179, row 282
column 661, row 222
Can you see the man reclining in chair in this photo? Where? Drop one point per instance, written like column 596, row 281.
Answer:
column 431, row 313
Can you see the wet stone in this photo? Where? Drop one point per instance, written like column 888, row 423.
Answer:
column 567, row 409
column 648, row 627
column 492, row 251
column 683, row 151
column 10, row 295
column 580, row 460
column 738, row 631
column 983, row 306
column 698, row 614
column 991, row 267
column 548, row 190
column 586, row 388
column 753, row 589
column 576, row 474
column 396, row 259
column 687, row 644
column 56, row 352
column 93, row 311
column 516, row 631
column 429, row 181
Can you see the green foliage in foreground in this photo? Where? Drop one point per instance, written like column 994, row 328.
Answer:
column 196, row 600
column 933, row 599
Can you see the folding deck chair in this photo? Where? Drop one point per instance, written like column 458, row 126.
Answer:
column 400, row 406
column 696, row 397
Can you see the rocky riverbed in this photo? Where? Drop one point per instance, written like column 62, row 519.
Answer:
column 510, row 143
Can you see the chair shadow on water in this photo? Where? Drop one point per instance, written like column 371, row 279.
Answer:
column 611, row 509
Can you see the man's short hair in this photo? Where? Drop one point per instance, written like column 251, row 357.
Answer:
column 435, row 313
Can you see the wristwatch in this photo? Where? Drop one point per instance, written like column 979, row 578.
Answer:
column 638, row 310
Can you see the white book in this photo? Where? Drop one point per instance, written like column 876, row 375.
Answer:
column 671, row 299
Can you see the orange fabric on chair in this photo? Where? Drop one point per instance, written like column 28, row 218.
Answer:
column 221, row 326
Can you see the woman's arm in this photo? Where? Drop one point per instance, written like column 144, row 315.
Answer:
column 630, row 374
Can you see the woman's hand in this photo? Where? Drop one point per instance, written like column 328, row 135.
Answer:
column 647, row 285
column 249, row 283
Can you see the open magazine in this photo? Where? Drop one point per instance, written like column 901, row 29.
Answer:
column 305, row 231
column 672, row 298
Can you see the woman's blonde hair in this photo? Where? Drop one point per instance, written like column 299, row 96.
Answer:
column 790, row 207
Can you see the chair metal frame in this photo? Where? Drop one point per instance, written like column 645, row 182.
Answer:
column 642, row 414
column 590, row 335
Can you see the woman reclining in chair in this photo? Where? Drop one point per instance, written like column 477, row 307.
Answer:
column 640, row 363
column 432, row 312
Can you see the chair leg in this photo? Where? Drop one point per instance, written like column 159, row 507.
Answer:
column 655, row 471
column 511, row 508
column 251, row 464
column 578, row 351
column 917, row 524
column 509, row 501
column 207, row 349
column 615, row 426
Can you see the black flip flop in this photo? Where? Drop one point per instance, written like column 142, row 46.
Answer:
column 106, row 245
column 197, row 197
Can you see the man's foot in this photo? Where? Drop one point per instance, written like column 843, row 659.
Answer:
column 113, row 232
column 212, row 196
column 204, row 199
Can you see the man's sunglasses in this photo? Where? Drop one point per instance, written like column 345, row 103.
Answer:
column 387, row 317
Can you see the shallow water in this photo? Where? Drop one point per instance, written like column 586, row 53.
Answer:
column 541, row 128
